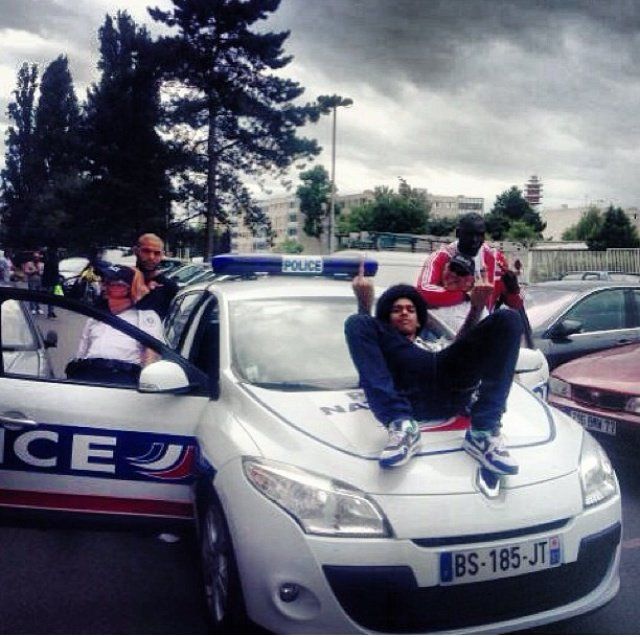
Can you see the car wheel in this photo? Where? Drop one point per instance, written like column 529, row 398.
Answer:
column 223, row 594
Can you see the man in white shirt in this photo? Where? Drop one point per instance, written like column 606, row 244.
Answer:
column 106, row 354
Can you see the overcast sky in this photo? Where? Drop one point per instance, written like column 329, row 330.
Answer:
column 456, row 96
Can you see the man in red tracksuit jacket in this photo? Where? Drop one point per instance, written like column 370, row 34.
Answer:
column 448, row 275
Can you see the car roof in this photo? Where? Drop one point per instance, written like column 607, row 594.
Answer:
column 580, row 285
column 388, row 257
column 265, row 287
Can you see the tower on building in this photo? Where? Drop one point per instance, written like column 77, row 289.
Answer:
column 533, row 190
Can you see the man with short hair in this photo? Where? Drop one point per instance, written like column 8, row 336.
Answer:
column 149, row 251
column 406, row 378
column 445, row 282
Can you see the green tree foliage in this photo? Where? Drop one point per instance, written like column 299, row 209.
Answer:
column 442, row 226
column 58, row 153
column 289, row 246
column 587, row 227
column 128, row 162
column 521, row 232
column 21, row 174
column 403, row 212
column 511, row 206
column 314, row 194
column 231, row 115
column 616, row 231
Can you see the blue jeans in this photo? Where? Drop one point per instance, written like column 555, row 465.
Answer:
column 402, row 380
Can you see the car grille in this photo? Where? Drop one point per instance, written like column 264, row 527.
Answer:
column 387, row 598
column 599, row 398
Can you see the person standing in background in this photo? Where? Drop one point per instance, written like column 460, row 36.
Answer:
column 149, row 251
column 50, row 275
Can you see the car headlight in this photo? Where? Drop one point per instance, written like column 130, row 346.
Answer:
column 320, row 505
column 633, row 405
column 596, row 473
column 559, row 387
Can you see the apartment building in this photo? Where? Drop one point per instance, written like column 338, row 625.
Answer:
column 287, row 221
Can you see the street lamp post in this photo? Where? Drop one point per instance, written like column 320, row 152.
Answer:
column 331, row 102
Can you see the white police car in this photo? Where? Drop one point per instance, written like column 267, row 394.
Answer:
column 252, row 424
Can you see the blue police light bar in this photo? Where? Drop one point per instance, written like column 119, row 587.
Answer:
column 290, row 265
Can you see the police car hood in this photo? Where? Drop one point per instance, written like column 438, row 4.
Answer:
column 342, row 423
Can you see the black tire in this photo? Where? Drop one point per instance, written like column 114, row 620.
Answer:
column 221, row 582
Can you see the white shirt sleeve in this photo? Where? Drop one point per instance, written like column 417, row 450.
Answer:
column 85, row 340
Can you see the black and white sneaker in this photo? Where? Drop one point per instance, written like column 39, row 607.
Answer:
column 490, row 451
column 404, row 441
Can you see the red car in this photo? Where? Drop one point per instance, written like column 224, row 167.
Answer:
column 602, row 392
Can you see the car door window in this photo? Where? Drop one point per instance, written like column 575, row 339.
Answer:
column 85, row 349
column 634, row 320
column 178, row 318
column 600, row 311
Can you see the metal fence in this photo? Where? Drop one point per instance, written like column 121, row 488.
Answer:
column 545, row 265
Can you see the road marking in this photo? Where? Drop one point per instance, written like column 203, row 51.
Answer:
column 633, row 543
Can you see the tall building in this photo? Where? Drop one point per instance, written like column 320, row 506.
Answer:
column 533, row 190
column 445, row 206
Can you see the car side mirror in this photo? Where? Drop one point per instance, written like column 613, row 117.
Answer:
column 566, row 328
column 529, row 360
column 163, row 377
column 51, row 339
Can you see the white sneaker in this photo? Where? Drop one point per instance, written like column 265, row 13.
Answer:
column 490, row 451
column 404, row 441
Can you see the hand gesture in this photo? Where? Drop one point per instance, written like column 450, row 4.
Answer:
column 481, row 292
column 363, row 289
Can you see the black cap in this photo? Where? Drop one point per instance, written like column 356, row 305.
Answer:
column 114, row 272
column 462, row 265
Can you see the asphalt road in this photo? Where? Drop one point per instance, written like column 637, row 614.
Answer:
column 73, row 581
column 57, row 581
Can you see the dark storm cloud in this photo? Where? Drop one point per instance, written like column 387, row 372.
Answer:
column 38, row 17
column 502, row 87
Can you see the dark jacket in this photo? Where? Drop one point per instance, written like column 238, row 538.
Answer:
column 159, row 299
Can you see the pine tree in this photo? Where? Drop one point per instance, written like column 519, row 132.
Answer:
column 616, row 231
column 58, row 155
column 20, row 176
column 128, row 162
column 235, row 118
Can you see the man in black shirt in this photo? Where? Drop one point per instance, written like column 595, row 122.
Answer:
column 149, row 251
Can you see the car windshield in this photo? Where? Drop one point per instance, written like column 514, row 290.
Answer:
column 292, row 343
column 16, row 333
column 544, row 303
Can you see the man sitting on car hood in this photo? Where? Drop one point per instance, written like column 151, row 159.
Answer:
column 405, row 379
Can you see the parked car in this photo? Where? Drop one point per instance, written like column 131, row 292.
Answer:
column 251, row 426
column 24, row 349
column 170, row 264
column 602, row 392
column 187, row 273
column 573, row 318
column 532, row 369
column 601, row 275
column 72, row 267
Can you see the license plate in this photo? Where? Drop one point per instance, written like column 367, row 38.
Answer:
column 462, row 567
column 595, row 423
